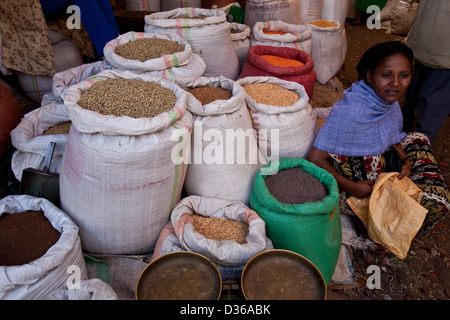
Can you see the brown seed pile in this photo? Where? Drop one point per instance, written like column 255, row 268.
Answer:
column 185, row 16
column 61, row 128
column 321, row 23
column 25, row 237
column 220, row 229
column 295, row 186
column 147, row 48
column 128, row 97
column 207, row 94
column 271, row 94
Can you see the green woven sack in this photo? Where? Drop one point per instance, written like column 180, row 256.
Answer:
column 311, row 229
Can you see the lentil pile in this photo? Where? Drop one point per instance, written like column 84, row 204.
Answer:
column 25, row 237
column 321, row 23
column 127, row 97
column 220, row 229
column 271, row 94
column 61, row 128
column 281, row 62
column 207, row 94
column 148, row 48
column 295, row 186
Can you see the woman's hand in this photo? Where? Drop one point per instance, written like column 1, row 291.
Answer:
column 361, row 189
column 406, row 163
column 405, row 170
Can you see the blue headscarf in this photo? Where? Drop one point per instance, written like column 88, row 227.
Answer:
column 361, row 124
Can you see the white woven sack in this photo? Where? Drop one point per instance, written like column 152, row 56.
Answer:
column 32, row 281
column 335, row 10
column 118, row 179
column 310, row 10
column 164, row 62
column 329, row 48
column 143, row 5
column 296, row 125
column 296, row 36
column 209, row 37
column 64, row 79
column 223, row 252
column 31, row 146
column 167, row 5
column 270, row 10
column 241, row 41
column 219, row 166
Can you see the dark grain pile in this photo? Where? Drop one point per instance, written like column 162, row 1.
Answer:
column 295, row 186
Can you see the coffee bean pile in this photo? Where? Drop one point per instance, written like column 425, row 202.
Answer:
column 128, row 97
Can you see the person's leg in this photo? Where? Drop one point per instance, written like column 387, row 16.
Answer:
column 434, row 103
column 96, row 24
column 409, row 108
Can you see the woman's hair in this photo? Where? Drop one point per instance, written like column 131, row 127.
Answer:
column 377, row 53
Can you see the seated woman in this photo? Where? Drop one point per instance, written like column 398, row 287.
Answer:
column 367, row 122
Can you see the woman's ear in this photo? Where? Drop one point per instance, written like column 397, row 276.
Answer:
column 368, row 76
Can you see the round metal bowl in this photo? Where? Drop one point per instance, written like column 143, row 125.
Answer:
column 282, row 275
column 181, row 275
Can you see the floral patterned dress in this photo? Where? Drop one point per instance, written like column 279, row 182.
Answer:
column 425, row 173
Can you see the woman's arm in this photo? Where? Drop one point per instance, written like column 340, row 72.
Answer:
column 359, row 189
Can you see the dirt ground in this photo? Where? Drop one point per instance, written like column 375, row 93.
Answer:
column 425, row 273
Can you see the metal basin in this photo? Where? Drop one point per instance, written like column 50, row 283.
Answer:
column 282, row 275
column 180, row 275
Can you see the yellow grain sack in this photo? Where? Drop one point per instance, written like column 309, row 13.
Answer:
column 392, row 214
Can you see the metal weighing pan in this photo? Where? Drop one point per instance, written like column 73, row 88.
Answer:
column 181, row 275
column 282, row 275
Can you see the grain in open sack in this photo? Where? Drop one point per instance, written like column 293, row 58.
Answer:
column 127, row 97
column 271, row 94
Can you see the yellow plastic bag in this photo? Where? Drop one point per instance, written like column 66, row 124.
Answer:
column 392, row 214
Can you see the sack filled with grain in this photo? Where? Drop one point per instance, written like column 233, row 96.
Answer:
column 41, row 246
column 225, row 156
column 329, row 48
column 293, row 65
column 119, row 179
column 310, row 226
column 227, row 232
column 282, row 34
column 164, row 55
column 208, row 33
column 280, row 107
column 32, row 136
column 240, row 36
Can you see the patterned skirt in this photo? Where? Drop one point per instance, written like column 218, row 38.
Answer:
column 425, row 173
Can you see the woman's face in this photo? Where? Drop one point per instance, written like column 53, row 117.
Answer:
column 391, row 78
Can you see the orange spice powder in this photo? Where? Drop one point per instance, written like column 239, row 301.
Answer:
column 321, row 23
column 281, row 62
column 273, row 32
